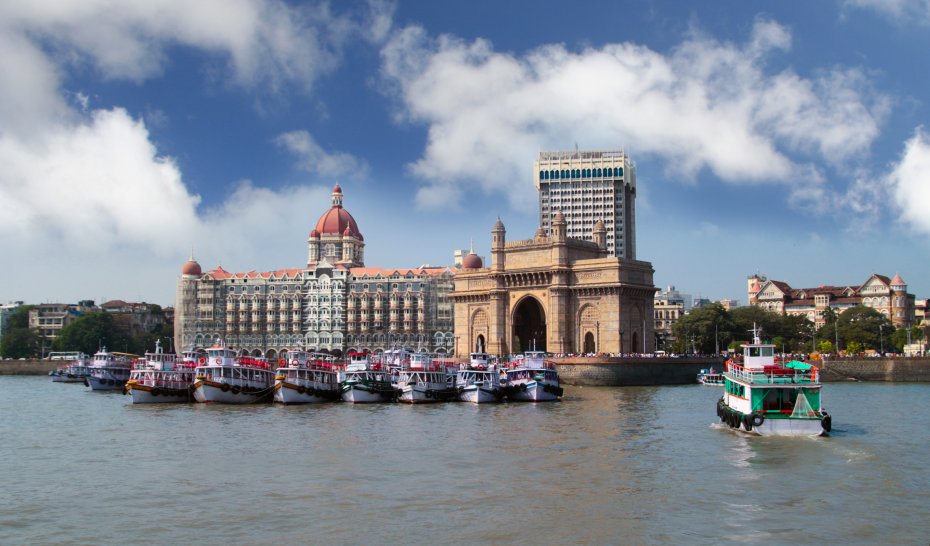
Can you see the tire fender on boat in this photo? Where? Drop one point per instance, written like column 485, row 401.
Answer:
column 826, row 422
column 429, row 393
column 225, row 388
column 747, row 421
column 757, row 419
column 523, row 387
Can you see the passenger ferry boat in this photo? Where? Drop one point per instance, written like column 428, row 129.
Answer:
column 75, row 370
column 229, row 379
column 109, row 371
column 420, row 380
column 364, row 381
column 306, row 378
column 765, row 398
column 710, row 378
column 162, row 377
column 530, row 378
column 479, row 381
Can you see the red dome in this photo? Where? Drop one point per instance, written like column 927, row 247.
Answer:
column 472, row 261
column 315, row 234
column 337, row 189
column 191, row 267
column 336, row 221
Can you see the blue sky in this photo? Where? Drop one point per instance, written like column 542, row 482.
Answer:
column 782, row 138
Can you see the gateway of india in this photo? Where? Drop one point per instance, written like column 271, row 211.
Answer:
column 575, row 287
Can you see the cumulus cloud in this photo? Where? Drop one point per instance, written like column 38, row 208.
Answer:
column 312, row 158
column 706, row 105
column 85, row 192
column 265, row 42
column 909, row 182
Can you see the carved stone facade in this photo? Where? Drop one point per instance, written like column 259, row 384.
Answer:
column 555, row 294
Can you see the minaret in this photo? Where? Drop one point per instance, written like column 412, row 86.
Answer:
column 600, row 235
column 185, row 307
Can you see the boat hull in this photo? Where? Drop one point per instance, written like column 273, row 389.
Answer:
column 478, row 395
column 759, row 425
column 357, row 395
column 422, row 395
column 534, row 391
column 67, row 378
column 159, row 396
column 105, row 383
column 290, row 393
column 208, row 392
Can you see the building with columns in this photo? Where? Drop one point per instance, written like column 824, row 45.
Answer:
column 334, row 304
column 553, row 293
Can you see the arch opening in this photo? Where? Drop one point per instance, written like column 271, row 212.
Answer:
column 529, row 326
column 589, row 346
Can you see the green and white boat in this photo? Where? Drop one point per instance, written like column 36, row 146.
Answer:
column 772, row 399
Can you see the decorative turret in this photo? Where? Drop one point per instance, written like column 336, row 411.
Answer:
column 559, row 227
column 898, row 284
column 472, row 260
column 498, row 239
column 600, row 235
column 335, row 230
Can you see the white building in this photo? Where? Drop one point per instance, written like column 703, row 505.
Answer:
column 587, row 186
column 335, row 304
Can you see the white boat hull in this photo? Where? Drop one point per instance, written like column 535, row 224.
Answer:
column 418, row 394
column 478, row 395
column 208, row 393
column 140, row 396
column 289, row 393
column 532, row 391
column 357, row 395
column 67, row 378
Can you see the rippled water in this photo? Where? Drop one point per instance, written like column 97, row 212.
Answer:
column 636, row 465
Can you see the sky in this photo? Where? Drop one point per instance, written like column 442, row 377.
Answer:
column 790, row 139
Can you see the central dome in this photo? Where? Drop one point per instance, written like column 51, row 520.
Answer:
column 337, row 220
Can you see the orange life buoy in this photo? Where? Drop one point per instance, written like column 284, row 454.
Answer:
column 219, row 360
column 202, row 360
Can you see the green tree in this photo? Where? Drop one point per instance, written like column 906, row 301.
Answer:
column 705, row 327
column 90, row 332
column 853, row 348
column 19, row 341
column 864, row 325
column 825, row 346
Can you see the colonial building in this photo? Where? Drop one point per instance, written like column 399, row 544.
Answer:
column 333, row 304
column 887, row 296
column 587, row 186
column 669, row 307
column 553, row 293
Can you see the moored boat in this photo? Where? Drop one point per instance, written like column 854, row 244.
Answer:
column 364, row 381
column 479, row 381
column 419, row 380
column 225, row 378
column 162, row 377
column 306, row 378
column 109, row 371
column 710, row 377
column 767, row 398
column 531, row 378
column 75, row 370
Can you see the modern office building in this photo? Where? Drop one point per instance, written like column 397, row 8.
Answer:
column 587, row 186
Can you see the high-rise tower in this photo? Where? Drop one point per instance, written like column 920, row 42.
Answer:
column 587, row 186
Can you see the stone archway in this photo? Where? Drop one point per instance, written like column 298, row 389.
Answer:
column 480, row 344
column 589, row 345
column 529, row 326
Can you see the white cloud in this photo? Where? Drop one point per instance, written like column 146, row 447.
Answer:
column 314, row 159
column 265, row 41
column 903, row 11
column 909, row 182
column 706, row 105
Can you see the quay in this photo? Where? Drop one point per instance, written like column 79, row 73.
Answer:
column 28, row 366
column 632, row 371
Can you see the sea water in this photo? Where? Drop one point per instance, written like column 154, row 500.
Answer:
column 636, row 465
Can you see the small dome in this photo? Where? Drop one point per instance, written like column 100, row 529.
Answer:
column 559, row 218
column 472, row 261
column 599, row 227
column 337, row 189
column 348, row 231
column 540, row 233
column 498, row 225
column 315, row 234
column 191, row 267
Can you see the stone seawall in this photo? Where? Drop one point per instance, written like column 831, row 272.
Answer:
column 876, row 369
column 616, row 372
column 28, row 367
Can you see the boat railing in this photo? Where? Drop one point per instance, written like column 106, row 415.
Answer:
column 772, row 375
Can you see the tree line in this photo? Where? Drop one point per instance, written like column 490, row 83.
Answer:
column 712, row 328
column 87, row 334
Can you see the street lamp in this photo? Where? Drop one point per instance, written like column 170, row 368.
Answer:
column 881, row 338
